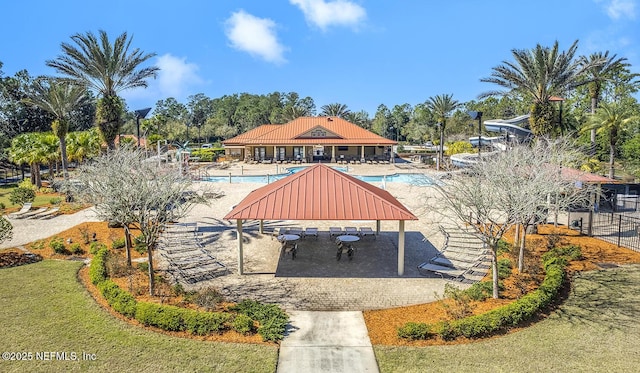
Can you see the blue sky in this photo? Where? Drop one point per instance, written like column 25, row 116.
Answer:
column 361, row 53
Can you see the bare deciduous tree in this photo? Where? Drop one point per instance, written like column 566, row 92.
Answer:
column 129, row 190
column 512, row 188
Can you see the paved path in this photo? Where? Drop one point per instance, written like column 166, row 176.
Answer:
column 30, row 230
column 326, row 342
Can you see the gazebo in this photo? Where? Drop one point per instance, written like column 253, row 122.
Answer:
column 321, row 193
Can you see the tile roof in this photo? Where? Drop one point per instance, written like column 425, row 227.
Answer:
column 585, row 177
column 298, row 131
column 320, row 193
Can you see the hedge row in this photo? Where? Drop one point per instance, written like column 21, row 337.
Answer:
column 272, row 319
column 498, row 319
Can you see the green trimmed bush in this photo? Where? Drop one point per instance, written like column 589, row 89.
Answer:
column 164, row 317
column 414, row 330
column 58, row 246
column 96, row 246
column 242, row 324
column 20, row 195
column 76, row 249
column 272, row 319
column 204, row 323
column 120, row 300
column 504, row 268
column 98, row 268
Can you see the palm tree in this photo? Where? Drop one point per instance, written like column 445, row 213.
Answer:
column 538, row 74
column 441, row 106
column 34, row 149
column 59, row 98
column 601, row 68
column 335, row 110
column 611, row 119
column 108, row 69
column 82, row 145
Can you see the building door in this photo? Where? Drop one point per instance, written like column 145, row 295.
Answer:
column 280, row 154
column 259, row 153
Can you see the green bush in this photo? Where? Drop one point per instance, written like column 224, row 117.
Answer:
column 414, row 330
column 242, row 324
column 120, row 300
column 204, row 323
column 507, row 316
column 458, row 147
column 504, row 268
column 503, row 247
column 98, row 267
column 20, row 196
column 26, row 184
column 143, row 266
column 2, row 206
column 58, row 246
column 480, row 290
column 76, row 249
column 570, row 252
column 164, row 317
column 140, row 245
column 55, row 200
column 272, row 319
column 118, row 243
column 96, row 246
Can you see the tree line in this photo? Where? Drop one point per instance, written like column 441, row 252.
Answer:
column 591, row 97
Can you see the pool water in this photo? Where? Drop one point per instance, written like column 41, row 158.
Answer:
column 411, row 179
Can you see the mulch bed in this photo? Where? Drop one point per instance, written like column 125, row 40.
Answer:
column 14, row 258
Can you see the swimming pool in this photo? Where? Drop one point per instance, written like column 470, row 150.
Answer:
column 411, row 179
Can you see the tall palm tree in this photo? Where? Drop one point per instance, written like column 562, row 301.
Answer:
column 441, row 106
column 600, row 71
column 34, row 149
column 538, row 74
column 107, row 68
column 611, row 119
column 59, row 98
column 335, row 110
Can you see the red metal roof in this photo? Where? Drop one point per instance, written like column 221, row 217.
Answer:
column 341, row 132
column 320, row 193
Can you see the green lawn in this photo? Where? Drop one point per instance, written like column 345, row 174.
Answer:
column 596, row 330
column 41, row 199
column 44, row 308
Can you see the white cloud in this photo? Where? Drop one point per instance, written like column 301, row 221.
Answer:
column 255, row 35
column 175, row 79
column 176, row 75
column 617, row 9
column 327, row 13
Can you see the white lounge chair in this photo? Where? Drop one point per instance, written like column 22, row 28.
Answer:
column 46, row 214
column 25, row 208
column 31, row 213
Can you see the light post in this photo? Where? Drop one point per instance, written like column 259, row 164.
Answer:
column 477, row 115
column 440, row 147
column 140, row 114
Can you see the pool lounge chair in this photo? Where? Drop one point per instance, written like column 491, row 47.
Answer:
column 25, row 208
column 46, row 214
column 31, row 213
column 366, row 231
column 310, row 231
column 335, row 231
column 352, row 231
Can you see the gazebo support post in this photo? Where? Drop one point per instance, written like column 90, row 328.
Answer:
column 377, row 227
column 240, row 259
column 400, row 247
column 261, row 226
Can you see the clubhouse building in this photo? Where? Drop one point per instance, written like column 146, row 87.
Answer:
column 310, row 139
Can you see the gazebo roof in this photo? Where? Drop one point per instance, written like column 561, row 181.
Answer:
column 320, row 193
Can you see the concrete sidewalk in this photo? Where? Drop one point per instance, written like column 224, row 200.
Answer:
column 30, row 230
column 327, row 342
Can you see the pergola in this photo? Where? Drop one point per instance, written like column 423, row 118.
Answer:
column 321, row 193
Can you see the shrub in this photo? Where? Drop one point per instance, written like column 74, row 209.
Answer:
column 272, row 319
column 140, row 245
column 76, row 249
column 504, row 268
column 203, row 323
column 118, row 243
column 208, row 298
column 458, row 147
column 58, row 246
column 98, row 268
column 26, row 184
column 414, row 330
column 480, row 290
column 169, row 318
column 143, row 266
column 553, row 240
column 96, row 246
column 37, row 245
column 503, row 247
column 570, row 252
column 120, row 300
column 243, row 324
column 55, row 200
column 2, row 206
column 20, row 196
column 117, row 266
column 461, row 302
